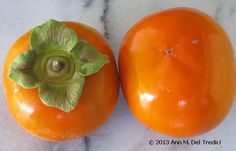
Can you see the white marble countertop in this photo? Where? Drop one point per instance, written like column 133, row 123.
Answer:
column 113, row 18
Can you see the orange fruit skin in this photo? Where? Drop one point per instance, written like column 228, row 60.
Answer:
column 98, row 99
column 177, row 71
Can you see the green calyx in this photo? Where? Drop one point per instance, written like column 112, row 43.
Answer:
column 57, row 67
column 57, row 63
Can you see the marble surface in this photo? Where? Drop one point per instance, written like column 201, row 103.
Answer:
column 113, row 18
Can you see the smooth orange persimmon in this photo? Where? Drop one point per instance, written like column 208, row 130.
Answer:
column 98, row 99
column 177, row 72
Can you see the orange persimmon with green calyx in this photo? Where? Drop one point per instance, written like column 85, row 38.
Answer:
column 60, row 80
column 177, row 72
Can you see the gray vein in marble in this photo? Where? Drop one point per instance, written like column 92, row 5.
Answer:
column 87, row 143
column 231, row 11
column 218, row 12
column 221, row 13
column 88, row 3
column 56, row 147
column 104, row 17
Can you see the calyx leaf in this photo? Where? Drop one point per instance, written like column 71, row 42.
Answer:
column 64, row 96
column 52, row 35
column 21, row 70
column 57, row 63
column 91, row 60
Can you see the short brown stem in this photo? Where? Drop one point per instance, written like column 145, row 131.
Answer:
column 57, row 66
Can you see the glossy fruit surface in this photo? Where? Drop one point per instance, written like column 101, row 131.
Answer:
column 98, row 99
column 178, row 72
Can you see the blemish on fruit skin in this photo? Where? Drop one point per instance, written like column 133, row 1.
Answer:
column 169, row 52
